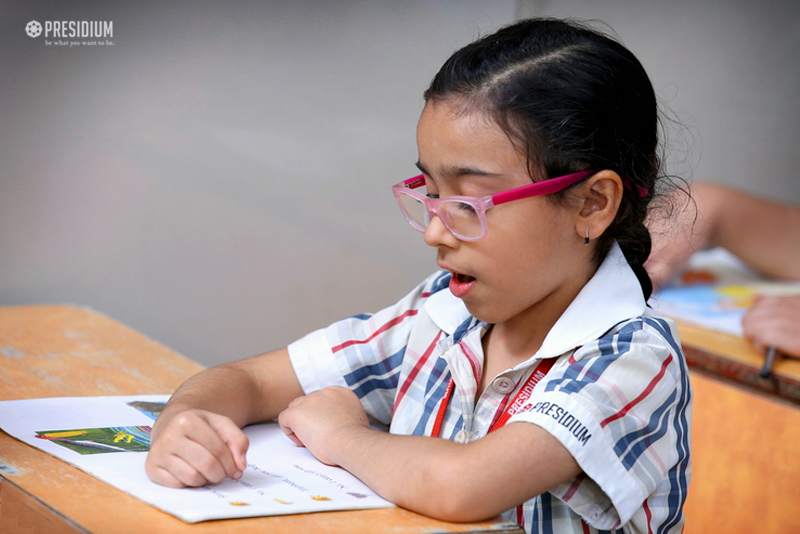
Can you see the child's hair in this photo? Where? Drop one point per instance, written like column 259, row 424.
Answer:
column 571, row 99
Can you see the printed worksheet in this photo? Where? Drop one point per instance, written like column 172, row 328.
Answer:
column 108, row 437
column 715, row 291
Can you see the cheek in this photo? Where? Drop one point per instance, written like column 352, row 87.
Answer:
column 536, row 232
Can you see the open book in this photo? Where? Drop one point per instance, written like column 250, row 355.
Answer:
column 108, row 437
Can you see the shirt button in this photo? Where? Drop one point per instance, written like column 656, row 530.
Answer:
column 461, row 437
column 503, row 385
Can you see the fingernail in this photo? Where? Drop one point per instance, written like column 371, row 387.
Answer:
column 237, row 475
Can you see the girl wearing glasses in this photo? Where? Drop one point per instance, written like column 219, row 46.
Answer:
column 527, row 377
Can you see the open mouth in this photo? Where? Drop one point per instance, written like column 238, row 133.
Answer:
column 461, row 284
column 463, row 278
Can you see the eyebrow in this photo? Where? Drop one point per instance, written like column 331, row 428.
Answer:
column 455, row 171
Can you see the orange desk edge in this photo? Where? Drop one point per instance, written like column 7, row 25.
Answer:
column 732, row 358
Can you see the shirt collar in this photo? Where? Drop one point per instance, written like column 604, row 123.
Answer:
column 612, row 295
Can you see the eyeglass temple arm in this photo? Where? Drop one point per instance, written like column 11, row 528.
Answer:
column 414, row 182
column 543, row 188
column 554, row 185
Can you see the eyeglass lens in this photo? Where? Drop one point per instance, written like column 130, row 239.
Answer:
column 459, row 217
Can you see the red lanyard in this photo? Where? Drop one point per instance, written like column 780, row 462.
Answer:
column 514, row 407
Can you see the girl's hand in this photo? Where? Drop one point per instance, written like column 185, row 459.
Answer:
column 190, row 447
column 322, row 421
column 774, row 322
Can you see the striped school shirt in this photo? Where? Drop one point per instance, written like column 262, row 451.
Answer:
column 617, row 397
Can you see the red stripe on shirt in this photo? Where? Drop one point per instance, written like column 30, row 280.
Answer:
column 473, row 361
column 649, row 516
column 413, row 374
column 644, row 394
column 574, row 487
column 379, row 331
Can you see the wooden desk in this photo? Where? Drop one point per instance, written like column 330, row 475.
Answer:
column 745, row 462
column 61, row 351
column 732, row 358
column 745, row 438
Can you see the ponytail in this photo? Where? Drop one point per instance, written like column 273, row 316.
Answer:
column 636, row 248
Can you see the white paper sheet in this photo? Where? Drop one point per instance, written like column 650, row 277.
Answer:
column 280, row 478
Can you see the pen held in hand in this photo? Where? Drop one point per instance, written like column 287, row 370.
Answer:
column 765, row 370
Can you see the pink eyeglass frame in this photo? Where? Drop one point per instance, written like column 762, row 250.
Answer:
column 545, row 187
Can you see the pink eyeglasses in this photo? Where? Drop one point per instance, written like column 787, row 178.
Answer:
column 465, row 217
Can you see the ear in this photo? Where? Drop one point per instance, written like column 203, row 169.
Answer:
column 600, row 198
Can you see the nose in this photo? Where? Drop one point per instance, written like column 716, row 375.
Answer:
column 437, row 234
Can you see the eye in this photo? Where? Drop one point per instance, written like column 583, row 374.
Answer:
column 468, row 208
column 430, row 188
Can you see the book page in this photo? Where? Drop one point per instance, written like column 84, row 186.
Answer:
column 108, row 437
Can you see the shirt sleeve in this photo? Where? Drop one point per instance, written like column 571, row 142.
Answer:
column 622, row 407
column 363, row 352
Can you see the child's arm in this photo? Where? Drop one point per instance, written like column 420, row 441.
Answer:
column 198, row 439
column 764, row 234
column 436, row 477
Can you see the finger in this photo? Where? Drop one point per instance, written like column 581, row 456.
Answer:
column 163, row 476
column 185, row 473
column 174, row 471
column 235, row 441
column 292, row 436
column 195, row 439
column 284, row 423
column 159, row 474
column 200, row 459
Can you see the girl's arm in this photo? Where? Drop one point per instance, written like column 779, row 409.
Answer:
column 436, row 477
column 198, row 439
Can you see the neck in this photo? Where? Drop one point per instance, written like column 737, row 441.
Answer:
column 521, row 336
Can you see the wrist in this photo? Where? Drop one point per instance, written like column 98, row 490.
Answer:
column 346, row 444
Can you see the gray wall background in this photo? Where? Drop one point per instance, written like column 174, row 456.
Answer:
column 218, row 178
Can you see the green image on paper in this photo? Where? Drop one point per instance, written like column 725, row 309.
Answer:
column 101, row 440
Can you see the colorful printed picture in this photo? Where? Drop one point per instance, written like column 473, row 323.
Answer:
column 100, row 440
column 150, row 409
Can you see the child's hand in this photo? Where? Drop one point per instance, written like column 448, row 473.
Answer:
column 773, row 322
column 191, row 447
column 322, row 421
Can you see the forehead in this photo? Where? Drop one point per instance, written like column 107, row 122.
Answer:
column 449, row 136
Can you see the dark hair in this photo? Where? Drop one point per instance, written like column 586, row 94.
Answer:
column 573, row 99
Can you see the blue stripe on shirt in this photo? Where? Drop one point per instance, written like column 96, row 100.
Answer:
column 434, row 392
column 611, row 347
column 380, row 375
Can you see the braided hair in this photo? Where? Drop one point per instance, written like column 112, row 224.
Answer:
column 571, row 98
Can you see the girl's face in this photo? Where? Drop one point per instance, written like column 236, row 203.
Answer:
column 532, row 262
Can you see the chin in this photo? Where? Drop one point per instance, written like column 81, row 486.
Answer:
column 486, row 315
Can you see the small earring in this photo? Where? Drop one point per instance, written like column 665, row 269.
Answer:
column 586, row 238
